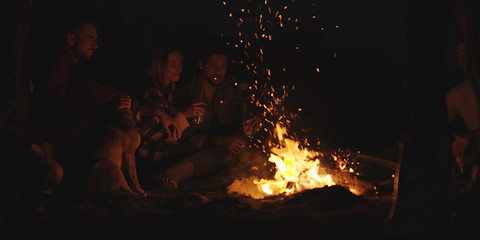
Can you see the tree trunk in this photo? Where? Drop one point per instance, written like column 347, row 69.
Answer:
column 14, row 90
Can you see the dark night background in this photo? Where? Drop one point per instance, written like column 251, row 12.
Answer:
column 382, row 73
column 356, row 100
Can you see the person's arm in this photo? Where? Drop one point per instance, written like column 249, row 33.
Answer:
column 450, row 103
column 155, row 106
column 234, row 144
column 89, row 94
column 461, row 142
column 99, row 93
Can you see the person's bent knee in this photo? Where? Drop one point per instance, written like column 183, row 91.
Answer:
column 56, row 174
column 50, row 172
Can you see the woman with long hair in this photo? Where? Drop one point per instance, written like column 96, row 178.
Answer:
column 161, row 124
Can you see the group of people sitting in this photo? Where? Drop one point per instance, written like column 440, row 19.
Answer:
column 89, row 134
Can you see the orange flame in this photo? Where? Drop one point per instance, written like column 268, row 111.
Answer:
column 296, row 170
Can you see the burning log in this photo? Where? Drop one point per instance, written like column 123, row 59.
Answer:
column 380, row 161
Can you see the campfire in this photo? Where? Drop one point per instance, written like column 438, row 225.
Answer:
column 297, row 169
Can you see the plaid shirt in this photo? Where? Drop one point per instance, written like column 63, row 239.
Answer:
column 155, row 144
column 223, row 116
